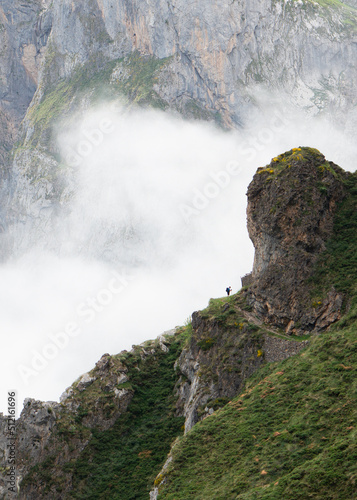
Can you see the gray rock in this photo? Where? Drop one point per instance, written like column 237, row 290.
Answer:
column 122, row 379
column 214, row 57
column 85, row 381
column 290, row 218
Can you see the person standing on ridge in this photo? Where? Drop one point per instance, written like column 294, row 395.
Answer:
column 228, row 290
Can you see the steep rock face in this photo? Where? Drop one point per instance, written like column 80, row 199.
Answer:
column 203, row 59
column 33, row 431
column 227, row 345
column 214, row 366
column 24, row 31
column 217, row 48
column 291, row 207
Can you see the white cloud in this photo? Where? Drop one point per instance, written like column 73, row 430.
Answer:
column 133, row 172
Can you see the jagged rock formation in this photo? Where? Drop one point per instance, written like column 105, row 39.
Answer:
column 210, row 52
column 23, row 33
column 43, row 426
column 291, row 207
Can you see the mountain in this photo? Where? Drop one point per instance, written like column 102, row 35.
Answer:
column 253, row 398
column 206, row 60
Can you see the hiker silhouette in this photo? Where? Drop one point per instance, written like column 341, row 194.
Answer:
column 228, row 290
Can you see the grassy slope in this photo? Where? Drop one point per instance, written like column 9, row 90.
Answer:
column 292, row 433
column 133, row 451
column 295, row 421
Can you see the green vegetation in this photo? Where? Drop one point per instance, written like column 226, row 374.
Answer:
column 206, row 343
column 291, row 434
column 333, row 4
column 229, row 345
column 287, row 160
column 338, row 264
column 137, row 78
column 228, row 312
column 135, row 448
column 131, row 79
column 43, row 474
column 197, row 112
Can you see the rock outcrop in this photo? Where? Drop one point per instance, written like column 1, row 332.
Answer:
column 24, row 31
column 213, row 50
column 226, row 347
column 291, row 207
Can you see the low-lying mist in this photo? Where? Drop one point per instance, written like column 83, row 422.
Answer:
column 155, row 226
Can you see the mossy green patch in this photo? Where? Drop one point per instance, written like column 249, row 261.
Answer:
column 137, row 77
column 225, row 310
column 123, row 461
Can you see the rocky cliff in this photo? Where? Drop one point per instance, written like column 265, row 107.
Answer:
column 291, row 208
column 23, row 38
column 204, row 60
column 210, row 52
column 24, row 31
column 112, row 431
